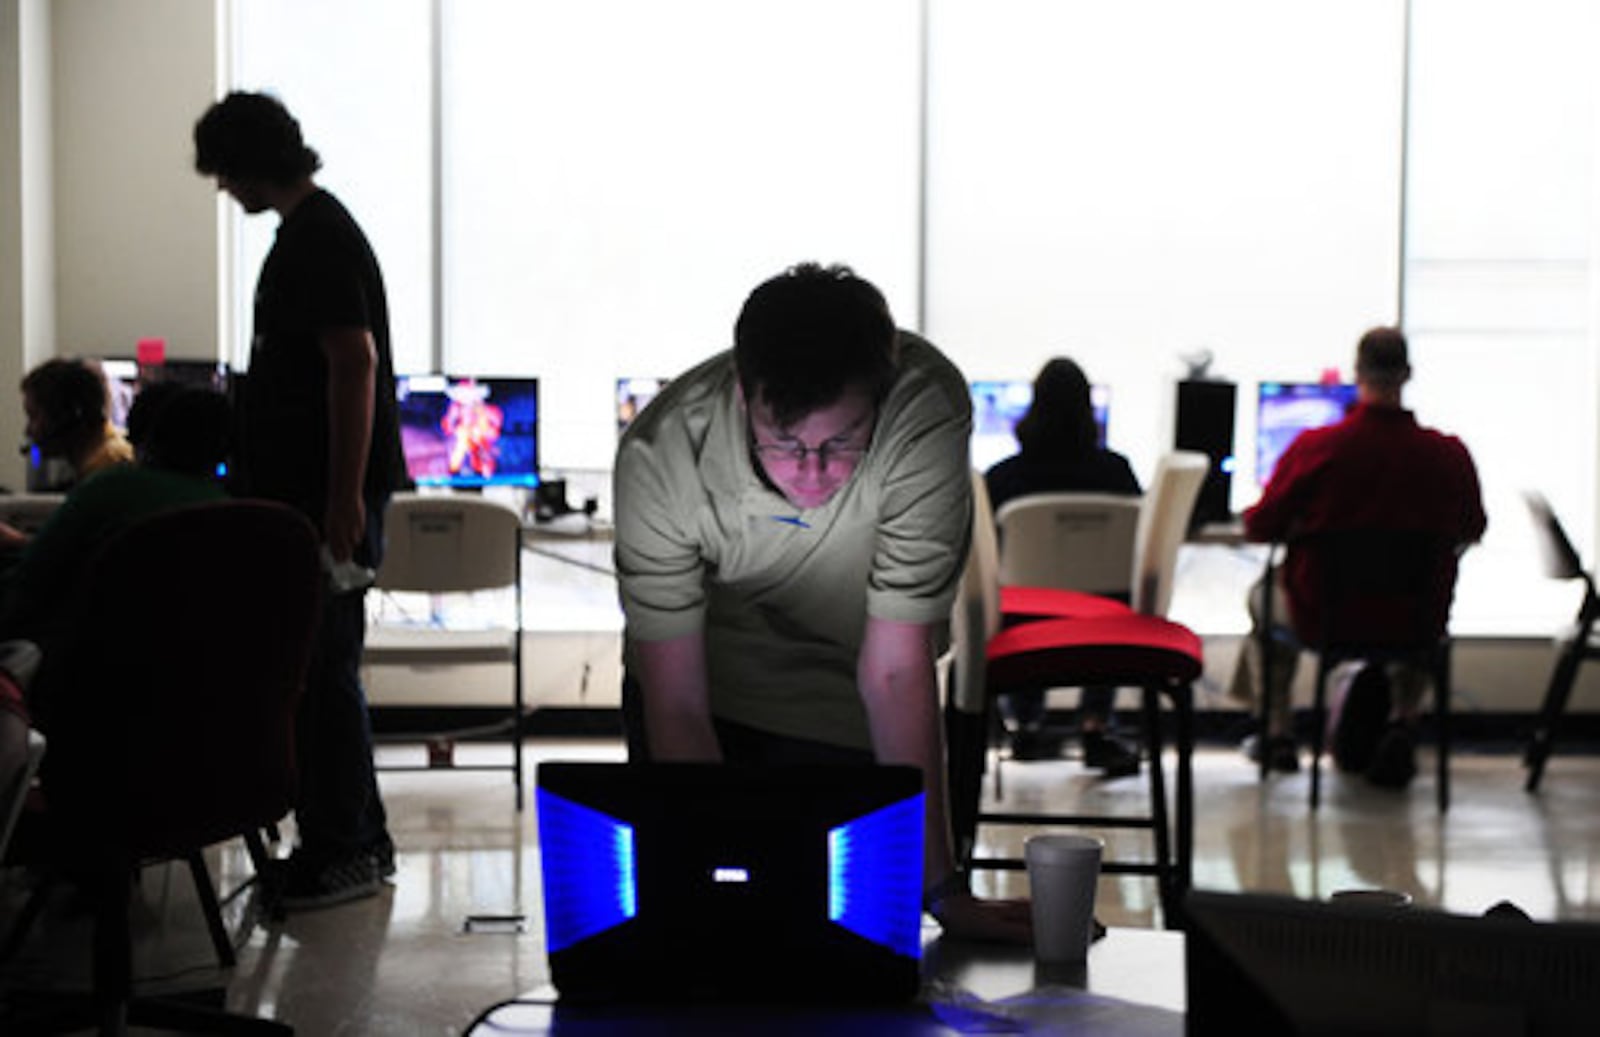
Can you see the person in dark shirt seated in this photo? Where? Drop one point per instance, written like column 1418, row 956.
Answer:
column 1061, row 452
column 180, row 436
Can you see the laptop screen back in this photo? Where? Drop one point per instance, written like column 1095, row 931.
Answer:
column 695, row 881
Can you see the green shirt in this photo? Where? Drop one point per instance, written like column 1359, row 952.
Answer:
column 35, row 592
column 783, row 594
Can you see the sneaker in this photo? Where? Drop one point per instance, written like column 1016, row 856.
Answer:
column 382, row 854
column 307, row 886
column 1036, row 743
column 1116, row 758
column 1358, row 722
column 1282, row 754
column 1394, row 763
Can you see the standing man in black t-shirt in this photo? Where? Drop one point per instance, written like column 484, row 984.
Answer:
column 317, row 430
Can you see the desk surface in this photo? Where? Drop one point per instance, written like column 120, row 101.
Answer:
column 1132, row 984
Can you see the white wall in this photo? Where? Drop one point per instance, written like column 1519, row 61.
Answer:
column 135, row 227
column 27, row 302
column 1125, row 183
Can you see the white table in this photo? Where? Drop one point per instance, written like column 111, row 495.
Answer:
column 1132, row 984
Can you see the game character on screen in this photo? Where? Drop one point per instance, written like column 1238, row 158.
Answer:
column 473, row 426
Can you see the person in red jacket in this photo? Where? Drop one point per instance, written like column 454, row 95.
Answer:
column 1376, row 469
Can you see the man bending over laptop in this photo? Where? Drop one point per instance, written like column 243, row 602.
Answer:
column 792, row 516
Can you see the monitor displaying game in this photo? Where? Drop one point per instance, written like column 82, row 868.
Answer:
column 468, row 432
column 122, row 385
column 633, row 395
column 1286, row 409
column 998, row 404
column 126, row 376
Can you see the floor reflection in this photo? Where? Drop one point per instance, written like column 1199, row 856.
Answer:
column 406, row 962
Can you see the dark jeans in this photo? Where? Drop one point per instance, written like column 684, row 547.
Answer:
column 338, row 809
column 1026, row 708
column 741, row 744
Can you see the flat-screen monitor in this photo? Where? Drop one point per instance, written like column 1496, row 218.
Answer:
column 1260, row 963
column 633, row 395
column 125, row 377
column 998, row 404
column 468, row 432
column 1286, row 409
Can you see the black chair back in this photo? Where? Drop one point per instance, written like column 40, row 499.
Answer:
column 173, row 705
column 1379, row 589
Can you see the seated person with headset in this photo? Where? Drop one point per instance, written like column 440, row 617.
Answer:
column 65, row 403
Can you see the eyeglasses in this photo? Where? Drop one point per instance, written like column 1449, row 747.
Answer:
column 796, row 453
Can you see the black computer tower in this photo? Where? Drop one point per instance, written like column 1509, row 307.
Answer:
column 1205, row 423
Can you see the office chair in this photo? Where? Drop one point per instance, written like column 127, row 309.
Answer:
column 1384, row 596
column 170, row 714
column 1125, row 648
column 1574, row 646
column 441, row 544
column 14, row 786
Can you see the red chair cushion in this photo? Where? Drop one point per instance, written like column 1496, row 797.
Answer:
column 1132, row 649
column 1020, row 604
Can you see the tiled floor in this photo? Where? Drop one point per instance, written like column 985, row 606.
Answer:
column 406, row 962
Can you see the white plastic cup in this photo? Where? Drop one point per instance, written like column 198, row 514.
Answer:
column 1063, row 871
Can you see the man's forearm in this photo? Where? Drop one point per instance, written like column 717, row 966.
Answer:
column 899, row 687
column 676, row 698
column 352, row 376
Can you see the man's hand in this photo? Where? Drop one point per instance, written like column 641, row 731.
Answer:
column 965, row 917
column 11, row 536
column 343, row 526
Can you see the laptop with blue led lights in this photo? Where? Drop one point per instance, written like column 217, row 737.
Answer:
column 709, row 882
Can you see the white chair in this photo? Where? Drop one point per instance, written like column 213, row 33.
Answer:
column 1160, row 522
column 441, row 544
column 1163, row 527
column 1075, row 541
column 1103, row 544
column 1114, row 646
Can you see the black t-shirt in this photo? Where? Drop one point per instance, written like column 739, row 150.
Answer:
column 320, row 274
column 1103, row 471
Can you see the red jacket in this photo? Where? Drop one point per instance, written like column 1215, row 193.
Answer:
column 1376, row 469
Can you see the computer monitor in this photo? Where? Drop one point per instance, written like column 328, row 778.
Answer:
column 1286, row 409
column 1264, row 963
column 633, row 395
column 122, row 385
column 125, row 376
column 467, row 432
column 998, row 404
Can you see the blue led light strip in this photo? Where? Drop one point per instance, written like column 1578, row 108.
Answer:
column 586, row 859
column 875, row 876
